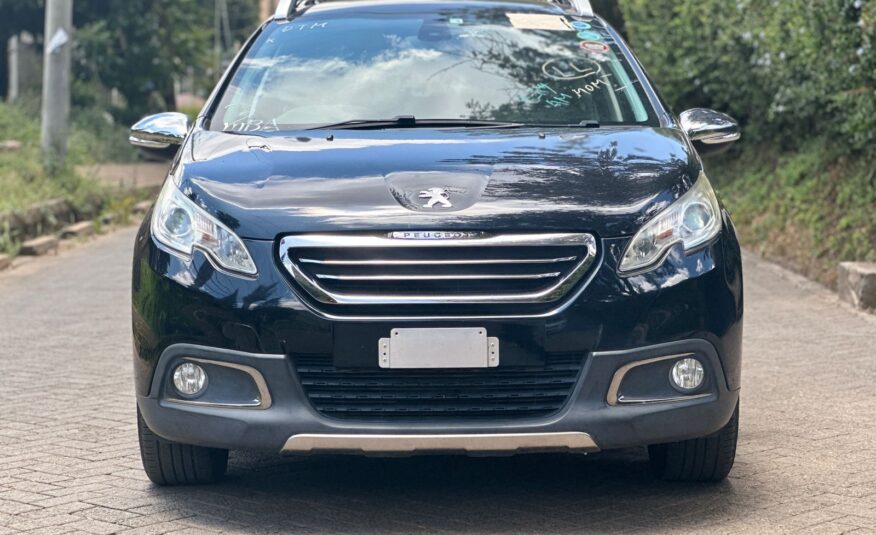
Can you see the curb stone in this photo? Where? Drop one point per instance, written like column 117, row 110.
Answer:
column 39, row 246
column 856, row 284
column 78, row 230
column 31, row 249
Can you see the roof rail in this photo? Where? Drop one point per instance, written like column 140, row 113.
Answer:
column 582, row 7
column 286, row 8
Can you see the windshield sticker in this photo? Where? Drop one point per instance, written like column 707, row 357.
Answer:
column 537, row 21
column 593, row 46
column 580, row 25
column 565, row 69
column 589, row 35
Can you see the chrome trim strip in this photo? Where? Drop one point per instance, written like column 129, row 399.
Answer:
column 383, row 240
column 646, row 401
column 547, row 295
column 507, row 442
column 146, row 143
column 484, row 262
column 528, row 276
column 265, row 400
column 613, row 399
column 719, row 140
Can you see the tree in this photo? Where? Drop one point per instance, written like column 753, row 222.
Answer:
column 611, row 12
column 790, row 71
column 17, row 17
column 137, row 47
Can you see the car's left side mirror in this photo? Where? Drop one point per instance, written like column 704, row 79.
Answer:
column 710, row 131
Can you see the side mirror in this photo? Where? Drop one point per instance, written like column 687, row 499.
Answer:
column 711, row 131
column 160, row 131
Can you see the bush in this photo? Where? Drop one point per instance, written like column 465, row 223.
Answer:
column 800, row 75
column 789, row 70
column 23, row 180
column 801, row 208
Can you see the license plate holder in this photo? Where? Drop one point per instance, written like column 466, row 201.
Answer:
column 441, row 347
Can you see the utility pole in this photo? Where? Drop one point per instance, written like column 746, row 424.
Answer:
column 58, row 45
column 221, row 35
column 266, row 9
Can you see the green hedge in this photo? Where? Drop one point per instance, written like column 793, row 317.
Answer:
column 789, row 70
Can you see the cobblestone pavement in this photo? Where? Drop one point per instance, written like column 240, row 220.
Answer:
column 69, row 459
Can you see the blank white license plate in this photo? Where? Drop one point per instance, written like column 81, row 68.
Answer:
column 438, row 348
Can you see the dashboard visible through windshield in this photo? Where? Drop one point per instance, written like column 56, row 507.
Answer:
column 480, row 64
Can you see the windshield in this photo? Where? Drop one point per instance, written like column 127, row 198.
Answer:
column 378, row 62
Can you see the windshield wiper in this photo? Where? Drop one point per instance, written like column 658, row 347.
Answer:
column 409, row 121
column 582, row 124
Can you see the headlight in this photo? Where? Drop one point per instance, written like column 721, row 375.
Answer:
column 692, row 220
column 181, row 225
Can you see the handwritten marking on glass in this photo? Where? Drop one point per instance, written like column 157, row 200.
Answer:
column 252, row 125
column 590, row 88
column 544, row 93
column 302, row 27
column 550, row 96
column 567, row 69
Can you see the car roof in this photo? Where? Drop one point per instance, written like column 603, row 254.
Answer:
column 289, row 8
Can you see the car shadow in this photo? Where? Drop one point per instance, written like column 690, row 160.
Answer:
column 538, row 493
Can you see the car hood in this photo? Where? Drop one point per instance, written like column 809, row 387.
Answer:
column 607, row 181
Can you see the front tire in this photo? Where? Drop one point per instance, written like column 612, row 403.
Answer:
column 169, row 463
column 700, row 459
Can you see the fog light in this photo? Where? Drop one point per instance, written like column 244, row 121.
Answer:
column 189, row 379
column 687, row 375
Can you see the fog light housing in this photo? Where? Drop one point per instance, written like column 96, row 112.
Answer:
column 189, row 379
column 687, row 375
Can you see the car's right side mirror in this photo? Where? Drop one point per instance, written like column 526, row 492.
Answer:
column 159, row 136
column 711, row 131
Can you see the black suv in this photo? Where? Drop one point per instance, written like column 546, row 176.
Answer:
column 427, row 226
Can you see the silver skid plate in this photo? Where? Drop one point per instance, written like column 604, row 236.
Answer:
column 468, row 347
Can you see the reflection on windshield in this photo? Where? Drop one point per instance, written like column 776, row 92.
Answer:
column 479, row 64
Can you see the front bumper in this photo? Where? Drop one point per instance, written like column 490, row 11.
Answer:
column 186, row 309
column 587, row 423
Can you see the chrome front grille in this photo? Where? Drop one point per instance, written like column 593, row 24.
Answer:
column 437, row 267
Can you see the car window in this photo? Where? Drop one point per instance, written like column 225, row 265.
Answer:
column 443, row 63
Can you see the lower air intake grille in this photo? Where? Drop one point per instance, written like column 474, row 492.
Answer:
column 428, row 268
column 369, row 393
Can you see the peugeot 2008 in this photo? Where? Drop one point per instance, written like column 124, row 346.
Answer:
column 421, row 226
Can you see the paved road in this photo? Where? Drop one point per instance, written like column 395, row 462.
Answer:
column 69, row 461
